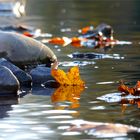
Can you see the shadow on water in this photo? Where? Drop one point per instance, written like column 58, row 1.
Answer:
column 6, row 103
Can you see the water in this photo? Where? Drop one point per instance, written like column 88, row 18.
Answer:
column 46, row 114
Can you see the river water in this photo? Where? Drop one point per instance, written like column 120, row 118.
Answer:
column 45, row 114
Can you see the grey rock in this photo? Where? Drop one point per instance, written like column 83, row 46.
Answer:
column 23, row 50
column 41, row 74
column 9, row 84
column 23, row 77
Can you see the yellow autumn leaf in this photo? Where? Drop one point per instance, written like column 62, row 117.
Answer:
column 72, row 78
column 60, row 76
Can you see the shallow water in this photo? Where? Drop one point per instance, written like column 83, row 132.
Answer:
column 46, row 113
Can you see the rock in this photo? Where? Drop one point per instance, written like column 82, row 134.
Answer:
column 23, row 77
column 8, row 82
column 22, row 50
column 41, row 74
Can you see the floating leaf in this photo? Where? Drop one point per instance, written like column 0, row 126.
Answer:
column 72, row 78
column 84, row 30
column 57, row 40
column 130, row 90
column 27, row 34
column 60, row 76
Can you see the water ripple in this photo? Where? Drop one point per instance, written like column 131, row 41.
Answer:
column 76, row 63
column 92, row 55
column 59, row 112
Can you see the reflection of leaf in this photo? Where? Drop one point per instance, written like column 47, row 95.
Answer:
column 68, row 93
column 72, row 78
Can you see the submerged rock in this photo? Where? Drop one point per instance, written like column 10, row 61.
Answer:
column 41, row 74
column 9, row 84
column 23, row 77
column 102, row 130
column 22, row 50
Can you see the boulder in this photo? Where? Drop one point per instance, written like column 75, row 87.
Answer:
column 23, row 77
column 22, row 50
column 9, row 84
column 41, row 74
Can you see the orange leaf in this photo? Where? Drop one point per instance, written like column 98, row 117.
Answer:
column 86, row 29
column 27, row 34
column 72, row 78
column 60, row 76
column 130, row 90
column 137, row 87
column 57, row 40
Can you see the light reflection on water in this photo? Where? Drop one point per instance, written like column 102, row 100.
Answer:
column 42, row 116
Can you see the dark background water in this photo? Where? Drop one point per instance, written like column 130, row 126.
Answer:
column 33, row 115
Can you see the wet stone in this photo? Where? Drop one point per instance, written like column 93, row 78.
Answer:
column 9, row 84
column 23, row 77
column 41, row 74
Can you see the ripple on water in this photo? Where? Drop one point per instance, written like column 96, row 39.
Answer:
column 76, row 63
column 92, row 55
column 111, row 98
column 105, row 83
column 59, row 111
column 98, row 108
column 60, row 117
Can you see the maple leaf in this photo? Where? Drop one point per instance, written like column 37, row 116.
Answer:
column 60, row 76
column 72, row 78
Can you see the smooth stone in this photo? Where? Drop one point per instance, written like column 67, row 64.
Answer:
column 23, row 77
column 9, row 84
column 22, row 50
column 41, row 74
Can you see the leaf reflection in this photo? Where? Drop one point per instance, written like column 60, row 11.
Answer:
column 68, row 93
column 126, row 102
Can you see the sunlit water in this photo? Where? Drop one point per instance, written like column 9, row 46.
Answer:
column 46, row 113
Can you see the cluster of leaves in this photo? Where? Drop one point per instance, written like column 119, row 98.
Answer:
column 89, row 37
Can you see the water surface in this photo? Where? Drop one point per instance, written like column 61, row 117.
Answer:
column 46, row 113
